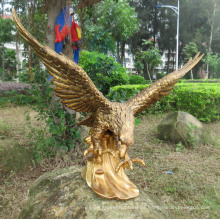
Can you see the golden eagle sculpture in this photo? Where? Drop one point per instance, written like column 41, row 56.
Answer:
column 112, row 123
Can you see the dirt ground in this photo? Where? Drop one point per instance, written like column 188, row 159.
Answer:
column 192, row 191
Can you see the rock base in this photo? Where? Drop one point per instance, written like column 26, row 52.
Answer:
column 64, row 194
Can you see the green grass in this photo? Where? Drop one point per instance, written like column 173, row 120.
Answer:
column 191, row 191
column 4, row 130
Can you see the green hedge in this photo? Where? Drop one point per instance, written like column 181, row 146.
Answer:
column 199, row 81
column 199, row 99
column 136, row 79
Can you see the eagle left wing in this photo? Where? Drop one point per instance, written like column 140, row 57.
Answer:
column 72, row 84
column 162, row 87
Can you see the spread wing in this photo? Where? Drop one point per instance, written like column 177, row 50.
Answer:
column 72, row 84
column 161, row 88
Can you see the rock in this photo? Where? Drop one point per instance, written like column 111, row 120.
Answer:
column 64, row 194
column 14, row 158
column 183, row 127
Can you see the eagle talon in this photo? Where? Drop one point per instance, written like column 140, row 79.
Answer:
column 87, row 151
column 129, row 163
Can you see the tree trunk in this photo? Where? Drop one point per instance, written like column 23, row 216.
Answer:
column 122, row 52
column 2, row 12
column 18, row 64
column 17, row 59
column 168, row 61
column 3, row 61
column 173, row 62
column 2, row 47
column 82, row 23
column 148, row 72
column 211, row 34
column 118, row 51
column 29, row 48
column 29, row 64
column 53, row 11
column 191, row 74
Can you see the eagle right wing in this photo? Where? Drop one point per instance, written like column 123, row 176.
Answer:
column 161, row 88
column 72, row 84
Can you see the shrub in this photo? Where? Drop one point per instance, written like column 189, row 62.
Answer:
column 136, row 79
column 199, row 99
column 124, row 92
column 60, row 130
column 103, row 70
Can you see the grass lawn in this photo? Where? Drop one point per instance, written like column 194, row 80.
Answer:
column 192, row 191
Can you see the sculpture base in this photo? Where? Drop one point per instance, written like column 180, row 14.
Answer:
column 101, row 175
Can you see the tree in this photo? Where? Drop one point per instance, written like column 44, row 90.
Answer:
column 111, row 23
column 190, row 50
column 147, row 60
column 147, row 15
column 6, row 36
column 156, row 24
column 213, row 61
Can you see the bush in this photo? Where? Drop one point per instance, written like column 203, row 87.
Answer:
column 124, row 92
column 60, row 130
column 136, row 79
column 199, row 99
column 103, row 70
column 199, row 81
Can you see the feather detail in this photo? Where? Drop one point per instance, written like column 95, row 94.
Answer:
column 72, row 84
column 161, row 88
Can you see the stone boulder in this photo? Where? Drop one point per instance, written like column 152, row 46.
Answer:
column 64, row 194
column 183, row 127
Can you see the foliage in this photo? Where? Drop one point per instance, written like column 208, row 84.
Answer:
column 159, row 24
column 136, row 79
column 58, row 130
column 98, row 39
column 9, row 60
column 6, row 27
column 145, row 61
column 199, row 81
column 103, row 70
column 213, row 60
column 6, row 36
column 124, row 92
column 62, row 130
column 190, row 50
column 199, row 99
column 180, row 147
column 109, row 22
column 119, row 17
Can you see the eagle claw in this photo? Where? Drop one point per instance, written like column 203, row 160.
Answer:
column 129, row 163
